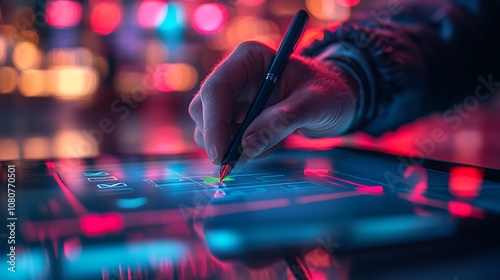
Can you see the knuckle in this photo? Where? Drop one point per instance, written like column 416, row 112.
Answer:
column 252, row 46
column 194, row 107
column 207, row 90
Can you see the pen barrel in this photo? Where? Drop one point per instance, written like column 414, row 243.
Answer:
column 235, row 150
column 287, row 46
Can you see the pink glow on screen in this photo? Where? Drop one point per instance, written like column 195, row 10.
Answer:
column 315, row 171
column 209, row 18
column 105, row 18
column 318, row 275
column 72, row 248
column 374, row 189
column 302, row 142
column 465, row 182
column 95, row 224
column 76, row 205
column 63, row 14
column 151, row 14
column 460, row 209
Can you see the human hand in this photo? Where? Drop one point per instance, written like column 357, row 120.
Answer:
column 311, row 96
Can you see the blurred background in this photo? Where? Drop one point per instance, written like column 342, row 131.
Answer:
column 87, row 78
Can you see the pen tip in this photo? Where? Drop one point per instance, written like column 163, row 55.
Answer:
column 224, row 171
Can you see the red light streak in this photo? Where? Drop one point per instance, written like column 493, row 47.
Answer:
column 72, row 200
column 318, row 172
column 424, row 200
column 324, row 197
column 301, row 142
column 369, row 189
column 456, row 208
column 39, row 231
column 359, row 186
column 463, row 209
column 460, row 209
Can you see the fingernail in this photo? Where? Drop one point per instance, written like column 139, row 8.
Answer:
column 213, row 153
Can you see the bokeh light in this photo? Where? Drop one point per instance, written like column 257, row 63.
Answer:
column 126, row 81
column 348, row 3
column 26, row 56
column 151, row 14
column 36, row 148
column 243, row 29
column 8, row 79
column 33, row 83
column 251, row 2
column 172, row 28
column 73, row 82
column 209, row 18
column 73, row 143
column 175, row 77
column 70, row 57
column 9, row 149
column 63, row 13
column 24, row 17
column 105, row 18
column 3, row 49
column 327, row 10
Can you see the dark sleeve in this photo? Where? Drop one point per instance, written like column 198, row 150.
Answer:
column 412, row 58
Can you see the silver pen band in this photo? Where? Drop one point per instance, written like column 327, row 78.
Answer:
column 271, row 77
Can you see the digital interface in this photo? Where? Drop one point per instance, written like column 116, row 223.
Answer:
column 135, row 218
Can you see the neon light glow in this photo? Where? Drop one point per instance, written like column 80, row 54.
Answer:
column 465, row 182
column 73, row 201
column 374, row 189
column 465, row 210
column 209, row 18
column 302, row 142
column 122, row 256
column 252, row 2
column 223, row 240
column 325, row 197
column 96, row 224
column 213, row 180
column 318, row 172
column 63, row 14
column 105, row 18
column 131, row 203
column 72, row 248
column 173, row 25
column 151, row 14
column 348, row 3
column 170, row 77
column 460, row 209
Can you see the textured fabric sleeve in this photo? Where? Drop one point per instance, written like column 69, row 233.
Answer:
column 414, row 57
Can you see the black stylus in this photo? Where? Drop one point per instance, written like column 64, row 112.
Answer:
column 286, row 48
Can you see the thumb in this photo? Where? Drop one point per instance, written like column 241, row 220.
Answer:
column 273, row 125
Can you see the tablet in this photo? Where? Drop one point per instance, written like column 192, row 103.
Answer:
column 137, row 217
